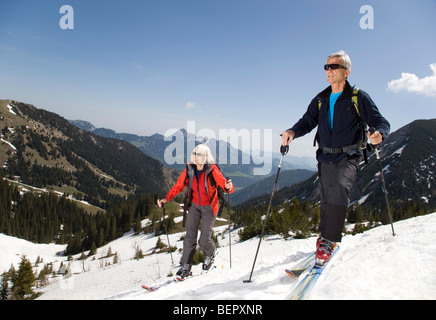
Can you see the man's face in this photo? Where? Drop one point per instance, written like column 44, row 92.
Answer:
column 338, row 75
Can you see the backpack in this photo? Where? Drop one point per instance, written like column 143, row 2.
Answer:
column 188, row 182
column 362, row 144
column 220, row 191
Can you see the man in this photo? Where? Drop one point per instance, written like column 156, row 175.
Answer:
column 338, row 137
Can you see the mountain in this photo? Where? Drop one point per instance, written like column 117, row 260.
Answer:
column 287, row 178
column 41, row 149
column 408, row 158
column 156, row 145
column 242, row 173
column 85, row 125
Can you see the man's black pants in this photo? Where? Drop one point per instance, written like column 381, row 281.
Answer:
column 335, row 183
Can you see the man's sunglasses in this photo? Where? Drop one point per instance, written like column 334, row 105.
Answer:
column 333, row 66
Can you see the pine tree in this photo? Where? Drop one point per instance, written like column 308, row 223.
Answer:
column 116, row 258
column 23, row 282
column 93, row 249
column 100, row 239
column 160, row 244
column 137, row 228
column 75, row 244
column 4, row 286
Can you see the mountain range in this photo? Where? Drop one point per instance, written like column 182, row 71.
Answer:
column 408, row 157
column 242, row 173
column 42, row 149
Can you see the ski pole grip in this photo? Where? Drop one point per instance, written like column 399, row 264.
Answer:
column 162, row 205
column 284, row 149
column 227, row 190
column 371, row 131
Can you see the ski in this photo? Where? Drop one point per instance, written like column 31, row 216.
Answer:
column 304, row 288
column 156, row 287
column 302, row 266
column 180, row 279
column 175, row 279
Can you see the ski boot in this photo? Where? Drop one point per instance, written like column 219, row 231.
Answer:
column 184, row 271
column 208, row 261
column 324, row 250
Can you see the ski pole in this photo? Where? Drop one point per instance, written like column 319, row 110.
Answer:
column 283, row 150
column 230, row 235
column 376, row 147
column 230, row 230
column 166, row 232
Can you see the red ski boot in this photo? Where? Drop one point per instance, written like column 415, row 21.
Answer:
column 324, row 250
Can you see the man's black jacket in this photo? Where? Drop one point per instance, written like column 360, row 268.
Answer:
column 346, row 128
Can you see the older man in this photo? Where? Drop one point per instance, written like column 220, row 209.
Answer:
column 339, row 112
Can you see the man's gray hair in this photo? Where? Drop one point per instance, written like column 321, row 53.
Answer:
column 345, row 58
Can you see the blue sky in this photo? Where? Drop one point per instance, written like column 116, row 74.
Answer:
column 148, row 66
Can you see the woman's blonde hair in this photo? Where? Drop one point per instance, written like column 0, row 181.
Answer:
column 207, row 154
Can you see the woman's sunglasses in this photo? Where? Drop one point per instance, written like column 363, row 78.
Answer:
column 197, row 154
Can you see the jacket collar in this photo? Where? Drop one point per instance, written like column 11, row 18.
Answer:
column 325, row 94
column 207, row 168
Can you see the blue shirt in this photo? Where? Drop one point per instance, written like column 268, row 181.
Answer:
column 347, row 130
column 330, row 113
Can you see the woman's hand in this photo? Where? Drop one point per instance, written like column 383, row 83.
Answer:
column 229, row 184
column 161, row 202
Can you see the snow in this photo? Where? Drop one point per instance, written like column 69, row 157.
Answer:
column 400, row 150
column 9, row 144
column 363, row 199
column 11, row 250
column 372, row 265
column 11, row 110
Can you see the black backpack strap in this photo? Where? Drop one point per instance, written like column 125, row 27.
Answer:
column 363, row 144
column 317, row 133
column 187, row 200
column 220, row 191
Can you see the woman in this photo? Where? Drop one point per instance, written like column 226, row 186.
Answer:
column 202, row 177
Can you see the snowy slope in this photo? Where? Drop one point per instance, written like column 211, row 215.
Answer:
column 371, row 265
column 11, row 250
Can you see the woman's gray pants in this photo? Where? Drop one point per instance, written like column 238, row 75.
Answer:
column 197, row 213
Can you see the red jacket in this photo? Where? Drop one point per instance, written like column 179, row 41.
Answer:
column 202, row 193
